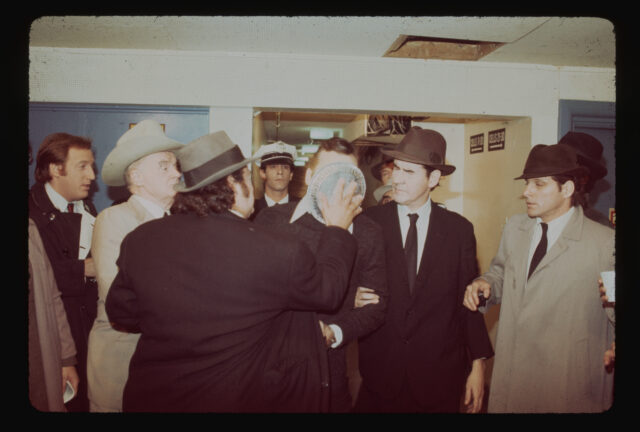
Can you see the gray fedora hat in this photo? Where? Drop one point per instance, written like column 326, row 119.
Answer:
column 422, row 146
column 207, row 159
column 145, row 138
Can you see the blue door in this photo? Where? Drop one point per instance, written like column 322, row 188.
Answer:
column 104, row 124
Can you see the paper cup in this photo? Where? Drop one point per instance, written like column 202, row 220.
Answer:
column 609, row 282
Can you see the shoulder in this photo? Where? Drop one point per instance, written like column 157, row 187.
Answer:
column 278, row 214
column 441, row 213
column 380, row 213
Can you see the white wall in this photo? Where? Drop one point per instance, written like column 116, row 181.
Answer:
column 235, row 83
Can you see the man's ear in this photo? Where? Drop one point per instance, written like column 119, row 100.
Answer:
column 263, row 174
column 56, row 170
column 568, row 188
column 434, row 178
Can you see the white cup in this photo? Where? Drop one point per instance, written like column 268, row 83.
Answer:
column 609, row 282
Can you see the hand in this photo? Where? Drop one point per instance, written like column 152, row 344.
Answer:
column 327, row 332
column 603, row 294
column 344, row 206
column 471, row 299
column 70, row 374
column 89, row 268
column 474, row 389
column 610, row 357
column 365, row 296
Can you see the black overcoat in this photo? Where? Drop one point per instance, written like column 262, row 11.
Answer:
column 368, row 271
column 225, row 312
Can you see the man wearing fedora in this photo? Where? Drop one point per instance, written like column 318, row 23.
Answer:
column 143, row 160
column 64, row 215
column 220, row 302
column 276, row 171
column 346, row 323
column 589, row 152
column 430, row 350
column 552, row 329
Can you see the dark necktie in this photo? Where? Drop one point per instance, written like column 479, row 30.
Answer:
column 70, row 207
column 540, row 250
column 411, row 250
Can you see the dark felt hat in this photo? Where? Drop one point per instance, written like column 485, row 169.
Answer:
column 422, row 146
column 549, row 160
column 589, row 152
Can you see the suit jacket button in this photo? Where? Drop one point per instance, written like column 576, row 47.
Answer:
column 325, row 384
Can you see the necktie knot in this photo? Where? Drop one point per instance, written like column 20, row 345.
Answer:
column 70, row 208
column 413, row 217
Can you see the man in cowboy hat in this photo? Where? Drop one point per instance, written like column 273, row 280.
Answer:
column 143, row 160
column 60, row 208
column 589, row 152
column 223, row 306
column 419, row 359
column 346, row 323
column 552, row 328
column 276, row 171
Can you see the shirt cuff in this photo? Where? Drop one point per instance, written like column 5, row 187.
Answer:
column 337, row 332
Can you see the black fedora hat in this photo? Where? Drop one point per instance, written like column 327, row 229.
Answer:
column 549, row 160
column 589, row 152
column 422, row 146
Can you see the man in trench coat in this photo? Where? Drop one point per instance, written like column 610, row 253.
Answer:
column 215, row 297
column 552, row 329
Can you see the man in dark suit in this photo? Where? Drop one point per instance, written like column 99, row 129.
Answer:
column 64, row 216
column 346, row 323
column 218, row 300
column 275, row 162
column 419, row 359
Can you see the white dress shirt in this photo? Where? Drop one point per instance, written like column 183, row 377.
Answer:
column 554, row 229
column 86, row 223
column 422, row 225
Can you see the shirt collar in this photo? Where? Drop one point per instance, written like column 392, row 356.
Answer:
column 152, row 207
column 423, row 211
column 559, row 222
column 271, row 202
column 57, row 200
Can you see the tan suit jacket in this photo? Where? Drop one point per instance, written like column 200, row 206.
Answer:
column 553, row 330
column 110, row 350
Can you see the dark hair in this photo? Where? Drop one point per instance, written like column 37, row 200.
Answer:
column 338, row 145
column 54, row 150
column 215, row 197
column 578, row 197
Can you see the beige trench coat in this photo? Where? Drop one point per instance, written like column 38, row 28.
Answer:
column 110, row 350
column 552, row 331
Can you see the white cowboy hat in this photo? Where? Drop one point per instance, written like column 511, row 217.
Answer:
column 145, row 138
column 207, row 159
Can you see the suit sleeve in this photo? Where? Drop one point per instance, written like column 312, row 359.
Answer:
column 320, row 282
column 476, row 335
column 371, row 273
column 122, row 303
